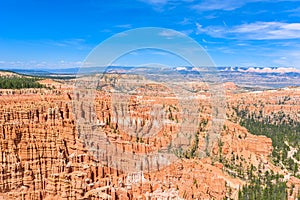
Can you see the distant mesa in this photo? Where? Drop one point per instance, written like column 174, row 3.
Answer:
column 8, row 74
column 124, row 69
column 262, row 69
column 49, row 82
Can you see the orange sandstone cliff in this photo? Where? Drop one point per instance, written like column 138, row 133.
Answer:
column 43, row 156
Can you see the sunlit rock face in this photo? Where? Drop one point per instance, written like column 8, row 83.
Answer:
column 45, row 156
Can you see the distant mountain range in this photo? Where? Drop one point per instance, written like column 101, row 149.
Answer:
column 123, row 69
column 46, row 72
column 263, row 69
column 267, row 77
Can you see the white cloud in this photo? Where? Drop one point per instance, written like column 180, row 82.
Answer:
column 156, row 2
column 206, row 5
column 160, row 5
column 254, row 31
column 185, row 21
column 77, row 43
column 164, row 2
column 126, row 26
column 170, row 34
column 227, row 5
column 219, row 5
column 200, row 28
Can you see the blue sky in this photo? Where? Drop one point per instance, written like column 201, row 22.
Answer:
column 61, row 33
